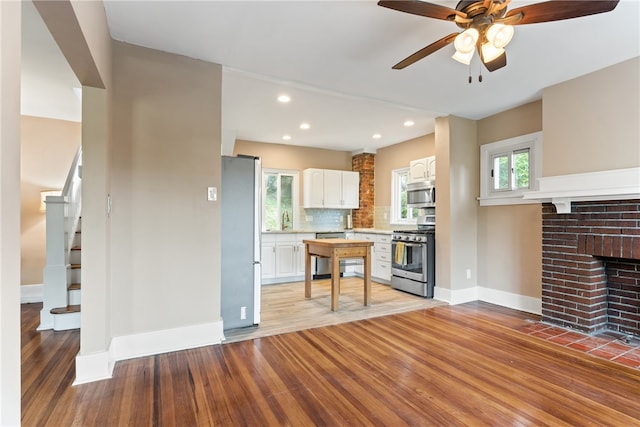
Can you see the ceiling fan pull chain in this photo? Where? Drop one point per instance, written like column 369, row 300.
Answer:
column 470, row 78
column 480, row 72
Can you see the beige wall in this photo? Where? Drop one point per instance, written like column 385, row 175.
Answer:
column 281, row 156
column 591, row 123
column 291, row 157
column 166, row 152
column 510, row 237
column 47, row 150
column 395, row 157
column 457, row 178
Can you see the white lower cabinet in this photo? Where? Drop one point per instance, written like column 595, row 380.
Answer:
column 380, row 256
column 268, row 256
column 283, row 257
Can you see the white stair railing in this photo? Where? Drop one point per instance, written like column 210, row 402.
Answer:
column 62, row 218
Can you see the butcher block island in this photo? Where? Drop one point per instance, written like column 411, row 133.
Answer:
column 338, row 249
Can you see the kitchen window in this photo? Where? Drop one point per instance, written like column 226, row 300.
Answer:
column 510, row 168
column 280, row 203
column 400, row 213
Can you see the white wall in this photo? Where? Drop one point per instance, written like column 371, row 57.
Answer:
column 10, row 33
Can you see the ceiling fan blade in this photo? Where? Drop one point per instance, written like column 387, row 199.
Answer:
column 497, row 63
column 425, row 51
column 560, row 9
column 422, row 8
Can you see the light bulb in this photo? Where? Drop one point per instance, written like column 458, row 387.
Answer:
column 490, row 52
column 500, row 35
column 464, row 58
column 465, row 42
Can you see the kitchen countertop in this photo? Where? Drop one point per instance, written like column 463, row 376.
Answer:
column 354, row 230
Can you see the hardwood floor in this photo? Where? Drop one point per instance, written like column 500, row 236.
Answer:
column 459, row 365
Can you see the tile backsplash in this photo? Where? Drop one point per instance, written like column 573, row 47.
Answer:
column 322, row 219
column 336, row 219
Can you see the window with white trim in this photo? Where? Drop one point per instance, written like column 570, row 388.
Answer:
column 510, row 168
column 279, row 199
column 400, row 213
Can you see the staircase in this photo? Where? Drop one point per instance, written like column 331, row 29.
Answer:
column 62, row 272
column 68, row 317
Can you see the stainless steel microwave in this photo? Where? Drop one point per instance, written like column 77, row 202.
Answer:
column 421, row 194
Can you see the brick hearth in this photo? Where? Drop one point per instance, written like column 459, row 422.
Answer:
column 591, row 266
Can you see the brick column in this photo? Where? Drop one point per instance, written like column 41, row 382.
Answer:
column 364, row 164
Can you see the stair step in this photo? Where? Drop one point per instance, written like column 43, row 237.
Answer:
column 76, row 248
column 74, row 287
column 75, row 266
column 66, row 310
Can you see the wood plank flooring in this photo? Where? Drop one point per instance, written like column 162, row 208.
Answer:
column 285, row 309
column 444, row 366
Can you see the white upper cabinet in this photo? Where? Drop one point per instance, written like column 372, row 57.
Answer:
column 422, row 169
column 335, row 189
column 313, row 188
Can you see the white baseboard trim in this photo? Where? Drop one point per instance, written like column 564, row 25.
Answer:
column 30, row 294
column 510, row 300
column 493, row 296
column 92, row 367
column 100, row 366
column 459, row 296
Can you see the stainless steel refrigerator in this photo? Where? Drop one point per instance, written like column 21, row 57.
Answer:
column 240, row 236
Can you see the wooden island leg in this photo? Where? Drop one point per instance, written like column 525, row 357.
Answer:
column 335, row 280
column 367, row 277
column 307, row 272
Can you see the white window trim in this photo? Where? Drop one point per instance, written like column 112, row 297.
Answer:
column 296, row 194
column 533, row 142
column 395, row 199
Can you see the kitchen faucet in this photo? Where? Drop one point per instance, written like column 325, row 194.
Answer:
column 285, row 220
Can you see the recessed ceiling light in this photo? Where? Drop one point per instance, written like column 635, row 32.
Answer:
column 284, row 99
column 376, row 136
column 286, row 137
column 304, row 126
column 409, row 123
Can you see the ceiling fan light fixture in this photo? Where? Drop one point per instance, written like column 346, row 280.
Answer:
column 464, row 58
column 499, row 35
column 465, row 42
column 490, row 52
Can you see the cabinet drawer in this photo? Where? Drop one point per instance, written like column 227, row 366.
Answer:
column 268, row 238
column 383, row 247
column 383, row 257
column 383, row 238
column 366, row 236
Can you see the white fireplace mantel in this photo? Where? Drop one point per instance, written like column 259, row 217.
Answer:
column 561, row 190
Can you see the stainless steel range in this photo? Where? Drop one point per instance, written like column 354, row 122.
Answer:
column 413, row 261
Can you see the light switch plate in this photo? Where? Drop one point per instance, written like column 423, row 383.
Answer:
column 212, row 194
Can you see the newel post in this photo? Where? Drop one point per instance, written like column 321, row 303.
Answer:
column 56, row 271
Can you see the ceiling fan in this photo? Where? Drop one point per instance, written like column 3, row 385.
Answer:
column 488, row 26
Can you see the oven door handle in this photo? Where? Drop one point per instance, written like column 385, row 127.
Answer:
column 409, row 244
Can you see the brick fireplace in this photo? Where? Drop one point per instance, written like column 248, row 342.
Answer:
column 591, row 266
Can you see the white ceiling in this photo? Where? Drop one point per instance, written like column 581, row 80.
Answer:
column 334, row 59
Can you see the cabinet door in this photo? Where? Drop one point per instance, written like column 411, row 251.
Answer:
column 431, row 167
column 268, row 260
column 350, row 190
column 418, row 170
column 332, row 189
column 285, row 259
column 313, row 188
column 300, row 253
